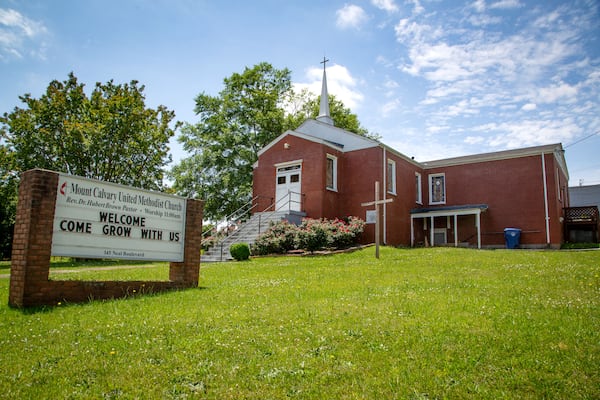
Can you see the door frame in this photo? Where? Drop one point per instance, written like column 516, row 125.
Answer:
column 287, row 170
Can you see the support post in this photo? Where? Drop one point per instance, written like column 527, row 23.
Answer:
column 455, row 230
column 478, row 224
column 376, row 203
column 431, row 232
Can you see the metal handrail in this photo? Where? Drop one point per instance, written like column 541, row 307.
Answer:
column 276, row 209
column 230, row 217
column 247, row 209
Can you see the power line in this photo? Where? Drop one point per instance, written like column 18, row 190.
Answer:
column 582, row 139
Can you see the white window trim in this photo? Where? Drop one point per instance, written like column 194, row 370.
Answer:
column 392, row 190
column 431, row 191
column 419, row 183
column 335, row 173
column 288, row 163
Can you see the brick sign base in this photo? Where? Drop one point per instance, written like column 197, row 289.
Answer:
column 32, row 243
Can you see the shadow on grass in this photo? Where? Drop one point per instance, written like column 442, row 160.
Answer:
column 130, row 297
column 80, row 263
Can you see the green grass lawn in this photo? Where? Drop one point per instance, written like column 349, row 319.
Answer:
column 415, row 324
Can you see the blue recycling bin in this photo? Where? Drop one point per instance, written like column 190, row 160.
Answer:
column 512, row 236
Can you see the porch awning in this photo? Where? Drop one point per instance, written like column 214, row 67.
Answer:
column 448, row 211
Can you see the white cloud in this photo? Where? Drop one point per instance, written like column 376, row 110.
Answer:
column 514, row 134
column 529, row 107
column 505, row 4
column 350, row 16
column 553, row 93
column 411, row 33
column 340, row 83
column 489, row 63
column 418, row 8
column 386, row 5
column 474, row 140
column 16, row 31
column 391, row 84
column 483, row 20
column 390, row 107
column 479, row 5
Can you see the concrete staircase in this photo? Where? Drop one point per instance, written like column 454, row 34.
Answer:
column 248, row 233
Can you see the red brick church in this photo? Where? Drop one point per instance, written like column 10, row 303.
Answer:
column 321, row 171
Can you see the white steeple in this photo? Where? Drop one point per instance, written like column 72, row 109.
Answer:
column 324, row 107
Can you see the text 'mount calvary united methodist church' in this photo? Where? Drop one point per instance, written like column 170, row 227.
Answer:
column 321, row 171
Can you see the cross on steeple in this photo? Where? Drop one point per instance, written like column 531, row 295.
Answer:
column 324, row 106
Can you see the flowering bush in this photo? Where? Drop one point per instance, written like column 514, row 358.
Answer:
column 311, row 235
column 279, row 238
column 343, row 234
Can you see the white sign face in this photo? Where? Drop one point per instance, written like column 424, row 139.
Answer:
column 96, row 219
column 371, row 217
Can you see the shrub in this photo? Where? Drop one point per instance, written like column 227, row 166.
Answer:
column 279, row 238
column 240, row 251
column 311, row 235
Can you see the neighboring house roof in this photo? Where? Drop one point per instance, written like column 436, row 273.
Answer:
column 580, row 196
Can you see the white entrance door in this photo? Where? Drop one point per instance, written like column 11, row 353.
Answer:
column 288, row 187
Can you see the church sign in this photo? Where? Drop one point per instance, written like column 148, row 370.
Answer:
column 94, row 219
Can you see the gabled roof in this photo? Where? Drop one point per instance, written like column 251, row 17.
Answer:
column 497, row 155
column 329, row 135
column 555, row 149
column 349, row 140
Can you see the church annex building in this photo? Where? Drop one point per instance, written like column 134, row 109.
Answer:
column 321, row 171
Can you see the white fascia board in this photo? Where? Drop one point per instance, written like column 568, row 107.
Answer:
column 448, row 213
column 301, row 136
column 273, row 142
column 402, row 156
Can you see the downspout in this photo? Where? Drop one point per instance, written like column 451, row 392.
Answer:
column 546, row 200
column 384, row 195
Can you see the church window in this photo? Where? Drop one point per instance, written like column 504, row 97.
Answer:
column 331, row 173
column 391, row 176
column 437, row 189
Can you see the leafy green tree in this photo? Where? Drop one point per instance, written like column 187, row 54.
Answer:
column 253, row 109
column 110, row 135
column 8, row 190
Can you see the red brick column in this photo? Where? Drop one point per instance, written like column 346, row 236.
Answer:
column 188, row 271
column 32, row 242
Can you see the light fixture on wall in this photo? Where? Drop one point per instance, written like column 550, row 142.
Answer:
column 286, row 145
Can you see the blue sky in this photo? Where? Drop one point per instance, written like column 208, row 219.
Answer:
column 434, row 78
